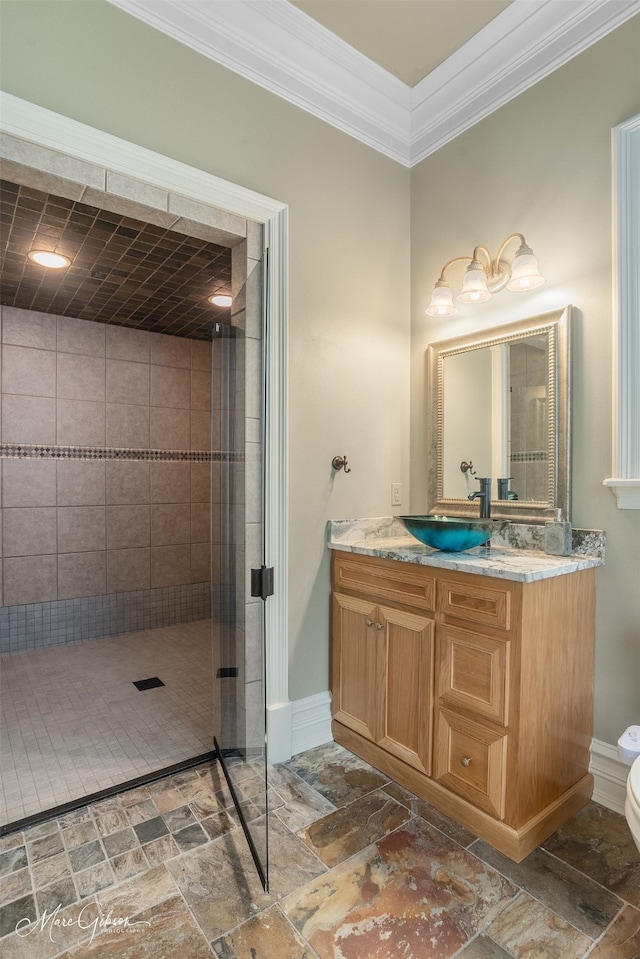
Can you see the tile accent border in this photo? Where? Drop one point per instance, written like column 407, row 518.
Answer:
column 38, row 625
column 26, row 451
column 530, row 456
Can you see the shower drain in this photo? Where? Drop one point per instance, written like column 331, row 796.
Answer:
column 142, row 684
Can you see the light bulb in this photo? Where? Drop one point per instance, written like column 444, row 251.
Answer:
column 221, row 299
column 52, row 261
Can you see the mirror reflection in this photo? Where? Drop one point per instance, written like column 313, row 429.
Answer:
column 500, row 410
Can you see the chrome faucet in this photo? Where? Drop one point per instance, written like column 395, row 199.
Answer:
column 484, row 495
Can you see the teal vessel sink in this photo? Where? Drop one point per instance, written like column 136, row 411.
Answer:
column 452, row 534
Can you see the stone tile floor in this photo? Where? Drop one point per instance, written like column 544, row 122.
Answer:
column 360, row 869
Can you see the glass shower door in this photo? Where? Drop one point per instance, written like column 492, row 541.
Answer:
column 240, row 582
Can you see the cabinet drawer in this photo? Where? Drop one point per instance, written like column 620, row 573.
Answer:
column 402, row 583
column 477, row 604
column 473, row 673
column 470, row 761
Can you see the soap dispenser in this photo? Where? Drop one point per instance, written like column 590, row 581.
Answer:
column 557, row 537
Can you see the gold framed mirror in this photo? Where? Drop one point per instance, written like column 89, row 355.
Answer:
column 499, row 406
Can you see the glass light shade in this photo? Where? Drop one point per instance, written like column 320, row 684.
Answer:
column 221, row 299
column 524, row 273
column 53, row 261
column 441, row 301
column 474, row 285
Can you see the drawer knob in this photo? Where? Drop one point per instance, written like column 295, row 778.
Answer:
column 465, row 761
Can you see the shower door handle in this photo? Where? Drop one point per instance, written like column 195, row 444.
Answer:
column 262, row 582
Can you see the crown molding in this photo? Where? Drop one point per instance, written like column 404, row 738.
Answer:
column 524, row 44
column 275, row 45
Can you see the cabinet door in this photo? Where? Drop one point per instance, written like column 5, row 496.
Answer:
column 358, row 666
column 408, row 687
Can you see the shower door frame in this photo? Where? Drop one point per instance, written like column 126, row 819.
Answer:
column 67, row 150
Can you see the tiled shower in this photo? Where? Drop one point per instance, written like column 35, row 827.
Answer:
column 106, row 536
column 131, row 477
column 106, row 479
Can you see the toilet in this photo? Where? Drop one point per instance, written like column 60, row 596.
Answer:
column 632, row 802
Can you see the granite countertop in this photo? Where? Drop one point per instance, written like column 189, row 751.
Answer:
column 387, row 538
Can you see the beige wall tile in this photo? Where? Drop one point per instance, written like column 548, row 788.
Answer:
column 29, row 579
column 28, row 482
column 124, row 343
column 28, row 328
column 128, row 569
column 127, row 426
column 200, row 482
column 169, row 429
column 28, row 371
column 29, row 531
column 81, row 528
column 254, row 296
column 253, row 485
column 80, row 483
column 28, row 419
column 201, row 355
column 253, row 641
column 200, row 563
column 80, row 377
column 170, row 387
column 200, row 523
column 170, row 565
column 52, row 161
column 200, row 431
column 82, row 574
column 170, row 350
column 127, row 382
column 45, row 182
column 202, row 213
column 151, row 196
column 200, row 390
column 81, row 336
column 216, row 481
column 170, row 524
column 127, row 483
column 80, row 423
column 170, row 482
column 128, row 527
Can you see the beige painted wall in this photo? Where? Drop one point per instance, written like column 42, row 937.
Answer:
column 349, row 261
column 542, row 165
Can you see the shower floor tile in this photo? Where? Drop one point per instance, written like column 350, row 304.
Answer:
column 74, row 723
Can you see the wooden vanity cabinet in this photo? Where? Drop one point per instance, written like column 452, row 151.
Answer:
column 476, row 693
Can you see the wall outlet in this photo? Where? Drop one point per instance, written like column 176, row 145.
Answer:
column 396, row 494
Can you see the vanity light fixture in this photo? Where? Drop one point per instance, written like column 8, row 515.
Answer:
column 48, row 259
column 486, row 275
column 221, row 299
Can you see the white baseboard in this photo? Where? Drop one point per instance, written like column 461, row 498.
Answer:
column 609, row 775
column 311, row 722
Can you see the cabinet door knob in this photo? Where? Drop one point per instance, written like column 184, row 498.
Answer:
column 379, row 626
column 369, row 622
column 465, row 761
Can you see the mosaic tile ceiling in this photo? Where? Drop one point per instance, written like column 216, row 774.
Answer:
column 122, row 270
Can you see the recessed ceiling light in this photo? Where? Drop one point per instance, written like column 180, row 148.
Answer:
column 53, row 261
column 221, row 299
